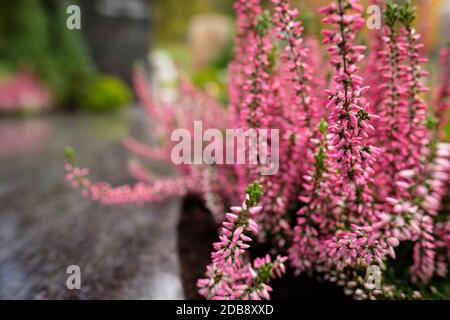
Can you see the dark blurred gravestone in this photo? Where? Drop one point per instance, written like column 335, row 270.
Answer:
column 117, row 33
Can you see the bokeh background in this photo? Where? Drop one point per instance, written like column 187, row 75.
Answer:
column 61, row 87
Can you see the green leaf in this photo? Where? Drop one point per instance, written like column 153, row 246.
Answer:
column 70, row 155
column 254, row 192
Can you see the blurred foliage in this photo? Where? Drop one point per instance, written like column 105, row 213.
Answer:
column 447, row 130
column 213, row 78
column 170, row 17
column 107, row 93
column 33, row 34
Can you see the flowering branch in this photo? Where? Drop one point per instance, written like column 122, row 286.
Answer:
column 227, row 276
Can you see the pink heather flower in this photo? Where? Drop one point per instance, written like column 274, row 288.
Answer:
column 349, row 190
column 349, row 119
column 424, row 252
column 24, row 92
column 441, row 100
column 234, row 237
column 246, row 19
column 250, row 282
column 414, row 130
column 294, row 110
column 256, row 84
column 312, row 217
column 393, row 114
column 139, row 193
column 359, row 247
column 350, row 155
column 294, row 55
column 228, row 277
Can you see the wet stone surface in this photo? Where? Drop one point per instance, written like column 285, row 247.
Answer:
column 123, row 252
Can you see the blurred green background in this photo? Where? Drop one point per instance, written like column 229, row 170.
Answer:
column 46, row 66
column 35, row 40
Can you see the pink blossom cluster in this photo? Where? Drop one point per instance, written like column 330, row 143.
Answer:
column 363, row 173
column 361, row 247
column 248, row 283
column 164, row 117
column 139, row 193
column 23, row 92
column 442, row 97
column 230, row 277
column 233, row 239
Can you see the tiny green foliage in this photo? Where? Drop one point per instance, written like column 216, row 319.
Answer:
column 107, row 93
column 264, row 23
column 323, row 126
column 264, row 273
column 431, row 123
column 254, row 192
column 70, row 155
column 391, row 14
column 407, row 14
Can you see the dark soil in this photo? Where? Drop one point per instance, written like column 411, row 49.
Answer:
column 196, row 233
column 291, row 287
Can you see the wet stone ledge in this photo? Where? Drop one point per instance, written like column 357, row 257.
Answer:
column 124, row 252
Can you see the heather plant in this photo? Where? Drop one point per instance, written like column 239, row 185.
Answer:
column 363, row 173
column 23, row 93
